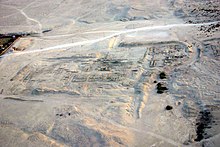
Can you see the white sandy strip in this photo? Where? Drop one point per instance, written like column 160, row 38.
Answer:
column 63, row 46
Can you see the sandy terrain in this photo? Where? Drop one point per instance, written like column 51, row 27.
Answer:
column 134, row 73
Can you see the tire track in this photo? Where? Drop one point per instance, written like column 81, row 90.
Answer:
column 63, row 46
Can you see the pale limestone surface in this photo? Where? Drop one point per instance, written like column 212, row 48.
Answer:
column 88, row 75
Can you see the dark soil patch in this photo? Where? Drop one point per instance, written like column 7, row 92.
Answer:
column 161, row 88
column 169, row 107
column 162, row 75
column 22, row 100
column 204, row 122
column 47, row 30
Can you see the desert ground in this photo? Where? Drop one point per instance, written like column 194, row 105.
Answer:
column 95, row 73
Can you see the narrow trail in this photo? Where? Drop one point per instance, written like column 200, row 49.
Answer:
column 63, row 46
column 31, row 19
column 6, row 16
column 24, row 14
